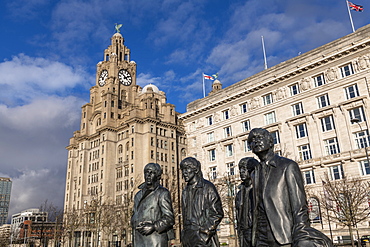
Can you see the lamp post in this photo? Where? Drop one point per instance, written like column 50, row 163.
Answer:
column 356, row 120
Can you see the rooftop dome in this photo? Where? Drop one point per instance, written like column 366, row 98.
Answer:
column 117, row 34
column 150, row 88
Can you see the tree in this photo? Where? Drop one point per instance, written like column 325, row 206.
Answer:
column 55, row 215
column 226, row 187
column 173, row 184
column 72, row 220
column 94, row 213
column 122, row 221
column 346, row 201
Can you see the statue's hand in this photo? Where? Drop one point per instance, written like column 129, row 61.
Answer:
column 146, row 228
column 208, row 233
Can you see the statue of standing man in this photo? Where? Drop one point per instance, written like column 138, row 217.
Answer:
column 280, row 216
column 244, row 202
column 152, row 220
column 201, row 207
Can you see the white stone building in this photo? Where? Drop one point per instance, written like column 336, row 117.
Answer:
column 307, row 103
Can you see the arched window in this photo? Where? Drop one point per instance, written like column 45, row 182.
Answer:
column 120, row 149
column 314, row 211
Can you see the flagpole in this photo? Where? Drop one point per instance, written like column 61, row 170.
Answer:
column 350, row 17
column 204, row 89
column 264, row 52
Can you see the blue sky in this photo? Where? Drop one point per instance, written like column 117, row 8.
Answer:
column 49, row 51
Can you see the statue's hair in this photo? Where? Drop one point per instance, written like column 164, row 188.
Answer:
column 193, row 163
column 249, row 162
column 265, row 132
column 157, row 169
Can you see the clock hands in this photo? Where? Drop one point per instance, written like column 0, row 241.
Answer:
column 125, row 77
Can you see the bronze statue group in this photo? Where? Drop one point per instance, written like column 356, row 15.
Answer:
column 271, row 205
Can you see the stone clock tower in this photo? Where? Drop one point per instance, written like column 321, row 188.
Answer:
column 123, row 127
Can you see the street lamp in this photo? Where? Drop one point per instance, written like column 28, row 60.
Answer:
column 356, row 120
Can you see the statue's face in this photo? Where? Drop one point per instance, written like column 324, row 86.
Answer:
column 150, row 175
column 188, row 172
column 244, row 173
column 259, row 142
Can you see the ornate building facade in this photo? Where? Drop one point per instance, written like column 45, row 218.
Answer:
column 316, row 106
column 123, row 128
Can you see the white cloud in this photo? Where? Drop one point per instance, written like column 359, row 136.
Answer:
column 238, row 54
column 42, row 114
column 163, row 82
column 25, row 78
column 33, row 187
column 48, row 75
column 144, row 79
column 33, row 140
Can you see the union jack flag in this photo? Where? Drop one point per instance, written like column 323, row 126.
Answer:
column 355, row 7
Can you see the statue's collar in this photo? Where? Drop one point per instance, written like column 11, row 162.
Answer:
column 197, row 184
column 143, row 186
column 271, row 160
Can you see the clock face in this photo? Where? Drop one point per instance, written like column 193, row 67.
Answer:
column 125, row 77
column 103, row 77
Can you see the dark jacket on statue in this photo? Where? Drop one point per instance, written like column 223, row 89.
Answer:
column 284, row 199
column 285, row 204
column 201, row 210
column 244, row 209
column 156, row 207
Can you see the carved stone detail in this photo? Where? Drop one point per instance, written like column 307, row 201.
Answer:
column 255, row 102
column 363, row 62
column 280, row 93
column 234, row 111
column 331, row 74
column 305, row 84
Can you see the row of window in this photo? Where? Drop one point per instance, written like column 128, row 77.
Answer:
column 331, row 145
column 94, row 166
column 161, row 143
column 231, row 170
column 94, row 178
column 319, row 80
column 124, row 198
column 124, row 185
column 327, row 124
column 229, row 148
column 336, row 172
column 323, row 100
column 161, row 156
column 93, row 155
column 159, row 131
column 119, row 171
